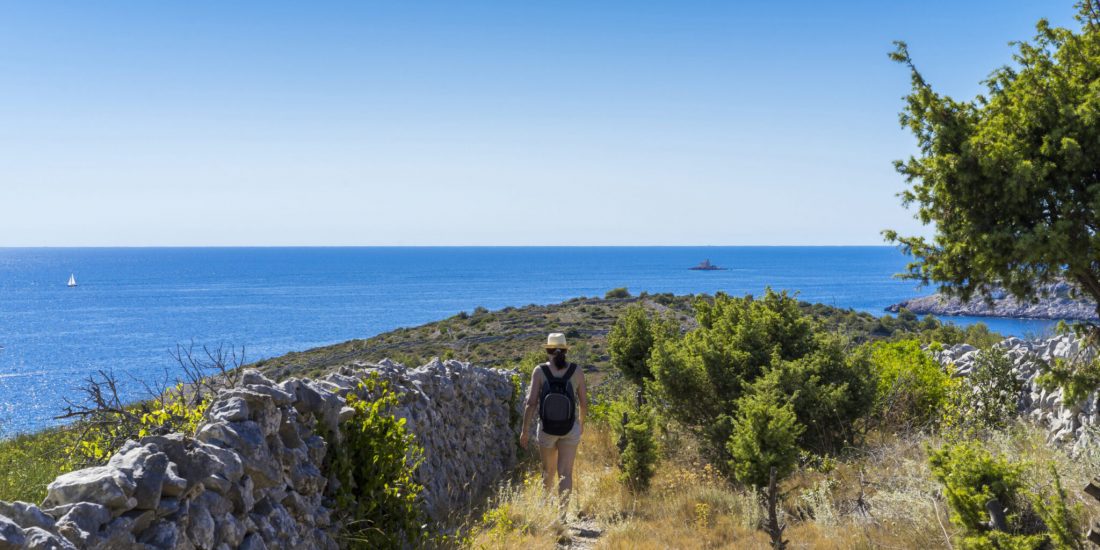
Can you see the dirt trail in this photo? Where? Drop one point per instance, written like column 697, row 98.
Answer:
column 583, row 534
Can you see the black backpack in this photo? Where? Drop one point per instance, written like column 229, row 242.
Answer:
column 557, row 408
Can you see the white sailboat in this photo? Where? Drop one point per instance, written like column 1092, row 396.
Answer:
column 72, row 279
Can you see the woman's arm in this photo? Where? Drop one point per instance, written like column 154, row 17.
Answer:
column 582, row 395
column 532, row 404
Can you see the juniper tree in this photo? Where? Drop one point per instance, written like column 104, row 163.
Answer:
column 1011, row 178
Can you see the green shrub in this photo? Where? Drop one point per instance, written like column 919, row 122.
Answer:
column 1063, row 522
column 949, row 334
column 638, row 460
column 987, row 399
column 610, row 398
column 745, row 345
column 704, row 373
column 373, row 465
column 971, row 476
column 912, row 387
column 1077, row 379
column 631, row 340
column 103, row 432
column 765, row 436
column 614, row 293
column 829, row 390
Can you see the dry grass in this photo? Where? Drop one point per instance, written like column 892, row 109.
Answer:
column 522, row 516
column 690, row 506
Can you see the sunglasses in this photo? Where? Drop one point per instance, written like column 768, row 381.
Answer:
column 554, row 351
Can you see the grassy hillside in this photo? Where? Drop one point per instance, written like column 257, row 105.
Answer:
column 502, row 338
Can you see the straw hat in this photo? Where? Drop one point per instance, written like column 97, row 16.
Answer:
column 556, row 340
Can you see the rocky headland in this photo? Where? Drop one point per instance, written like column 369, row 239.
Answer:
column 1056, row 303
column 252, row 477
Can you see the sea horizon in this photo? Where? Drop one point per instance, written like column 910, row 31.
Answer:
column 455, row 246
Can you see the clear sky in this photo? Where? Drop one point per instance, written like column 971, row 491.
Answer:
column 473, row 123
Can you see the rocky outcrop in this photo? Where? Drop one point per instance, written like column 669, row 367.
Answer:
column 1056, row 304
column 252, row 475
column 1076, row 425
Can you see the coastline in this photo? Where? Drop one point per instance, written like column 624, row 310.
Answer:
column 1057, row 303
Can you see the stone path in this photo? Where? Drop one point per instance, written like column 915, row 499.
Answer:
column 583, row 534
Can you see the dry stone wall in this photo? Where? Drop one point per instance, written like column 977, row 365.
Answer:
column 1075, row 425
column 251, row 478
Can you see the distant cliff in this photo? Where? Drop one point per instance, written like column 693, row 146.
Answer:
column 1057, row 304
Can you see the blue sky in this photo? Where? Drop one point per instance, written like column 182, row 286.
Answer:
column 473, row 123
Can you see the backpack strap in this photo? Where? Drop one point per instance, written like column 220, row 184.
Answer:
column 550, row 377
column 569, row 373
column 546, row 372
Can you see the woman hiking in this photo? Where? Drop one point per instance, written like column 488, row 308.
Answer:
column 559, row 395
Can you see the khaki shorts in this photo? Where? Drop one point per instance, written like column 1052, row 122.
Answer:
column 548, row 441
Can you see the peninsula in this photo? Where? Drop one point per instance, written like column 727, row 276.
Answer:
column 1057, row 303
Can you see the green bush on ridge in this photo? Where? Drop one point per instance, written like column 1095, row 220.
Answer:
column 631, row 342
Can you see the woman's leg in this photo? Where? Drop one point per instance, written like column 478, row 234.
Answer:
column 549, row 466
column 567, row 454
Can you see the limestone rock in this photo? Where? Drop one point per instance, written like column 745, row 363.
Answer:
column 42, row 539
column 163, row 535
column 11, row 535
column 82, row 522
column 146, row 467
column 253, row 542
column 26, row 515
column 101, row 484
column 247, row 439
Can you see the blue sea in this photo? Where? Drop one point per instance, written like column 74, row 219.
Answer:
column 131, row 306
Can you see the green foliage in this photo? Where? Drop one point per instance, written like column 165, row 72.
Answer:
column 175, row 414
column 746, row 345
column 610, row 398
column 29, row 462
column 765, row 435
column 528, row 363
column 101, row 437
column 971, row 476
column 949, row 334
column 617, row 293
column 631, row 340
column 373, row 465
column 1077, row 379
column 995, row 540
column 829, row 390
column 1063, row 522
column 912, row 387
column 703, row 374
column 638, row 460
column 987, row 400
column 1008, row 179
